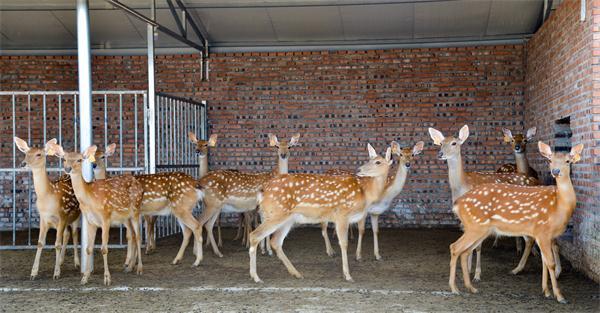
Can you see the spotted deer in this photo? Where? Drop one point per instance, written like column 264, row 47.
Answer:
column 201, row 148
column 235, row 192
column 316, row 198
column 540, row 212
column 519, row 146
column 163, row 194
column 104, row 203
column 56, row 204
column 461, row 181
column 394, row 185
column 101, row 159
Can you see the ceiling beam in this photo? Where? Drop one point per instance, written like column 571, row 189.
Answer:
column 191, row 21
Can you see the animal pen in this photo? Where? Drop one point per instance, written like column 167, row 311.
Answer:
column 380, row 140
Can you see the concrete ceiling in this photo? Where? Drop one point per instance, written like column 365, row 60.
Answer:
column 246, row 24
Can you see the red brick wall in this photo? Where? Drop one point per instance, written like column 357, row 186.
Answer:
column 562, row 72
column 338, row 101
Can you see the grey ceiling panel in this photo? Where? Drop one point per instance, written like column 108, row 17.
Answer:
column 307, row 23
column 34, row 28
column 237, row 25
column 514, row 17
column 466, row 18
column 394, row 21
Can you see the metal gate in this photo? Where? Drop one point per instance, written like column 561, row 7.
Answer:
column 175, row 117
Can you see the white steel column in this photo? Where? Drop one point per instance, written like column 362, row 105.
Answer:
column 85, row 105
column 151, row 94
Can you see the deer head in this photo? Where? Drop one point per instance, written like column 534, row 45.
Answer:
column 450, row 146
column 203, row 145
column 407, row 154
column 518, row 141
column 73, row 160
column 559, row 162
column 377, row 165
column 283, row 147
column 99, row 163
column 34, row 157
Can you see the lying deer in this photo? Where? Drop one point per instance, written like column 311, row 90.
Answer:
column 393, row 187
column 315, row 198
column 461, row 181
column 539, row 212
column 235, row 191
column 202, row 147
column 56, row 205
column 104, row 203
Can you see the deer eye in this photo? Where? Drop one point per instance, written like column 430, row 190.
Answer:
column 568, row 161
column 378, row 162
column 101, row 158
column 454, row 143
column 38, row 155
column 78, row 161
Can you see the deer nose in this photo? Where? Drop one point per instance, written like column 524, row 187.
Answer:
column 283, row 155
column 23, row 164
column 518, row 147
column 440, row 155
column 68, row 169
column 94, row 165
column 555, row 171
column 407, row 165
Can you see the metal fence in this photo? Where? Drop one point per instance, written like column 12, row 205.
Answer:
column 175, row 117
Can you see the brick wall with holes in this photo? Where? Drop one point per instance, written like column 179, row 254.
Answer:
column 563, row 80
column 338, row 101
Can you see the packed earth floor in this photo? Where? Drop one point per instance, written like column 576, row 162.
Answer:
column 412, row 277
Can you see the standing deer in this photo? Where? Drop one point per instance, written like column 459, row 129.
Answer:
column 202, row 152
column 315, row 198
column 56, row 204
column 540, row 212
column 100, row 161
column 461, row 181
column 393, row 187
column 235, row 191
column 519, row 146
column 104, row 203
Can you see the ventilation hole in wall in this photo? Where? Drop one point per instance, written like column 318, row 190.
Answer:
column 562, row 134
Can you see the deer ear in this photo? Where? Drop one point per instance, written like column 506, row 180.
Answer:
column 388, row 155
column 507, row 135
column 294, row 140
column 89, row 153
column 55, row 149
column 21, row 144
column 436, row 136
column 545, row 150
column 273, row 142
column 575, row 153
column 110, row 150
column 463, row 134
column 47, row 147
column 395, row 148
column 192, row 137
column 372, row 152
column 531, row 133
column 212, row 141
column 418, row 148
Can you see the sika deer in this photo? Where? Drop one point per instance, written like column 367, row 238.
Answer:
column 100, row 161
column 235, row 191
column 519, row 145
column 56, row 204
column 315, row 198
column 539, row 212
column 461, row 181
column 104, row 203
column 394, row 186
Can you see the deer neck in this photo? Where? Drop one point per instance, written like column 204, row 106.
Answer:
column 81, row 188
column 100, row 174
column 282, row 165
column 203, row 161
column 522, row 163
column 565, row 195
column 41, row 182
column 398, row 183
column 373, row 188
column 456, row 177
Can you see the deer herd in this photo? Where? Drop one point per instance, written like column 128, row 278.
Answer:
column 508, row 202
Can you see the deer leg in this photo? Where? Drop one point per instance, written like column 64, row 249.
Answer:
column 375, row 226
column 477, row 276
column 91, row 236
column 456, row 249
column 188, row 220
column 219, row 239
column 556, row 253
column 238, row 235
column 150, row 231
column 361, row 233
column 494, row 245
column 75, row 235
column 328, row 247
column 259, row 234
column 58, row 247
column 528, row 245
column 209, row 230
column 104, row 250
column 130, row 258
column 519, row 244
column 248, row 229
column 545, row 245
column 135, row 223
column 40, row 245
column 545, row 289
column 65, row 239
column 277, row 245
column 475, row 243
column 341, row 229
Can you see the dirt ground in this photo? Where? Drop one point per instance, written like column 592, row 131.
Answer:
column 412, row 277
